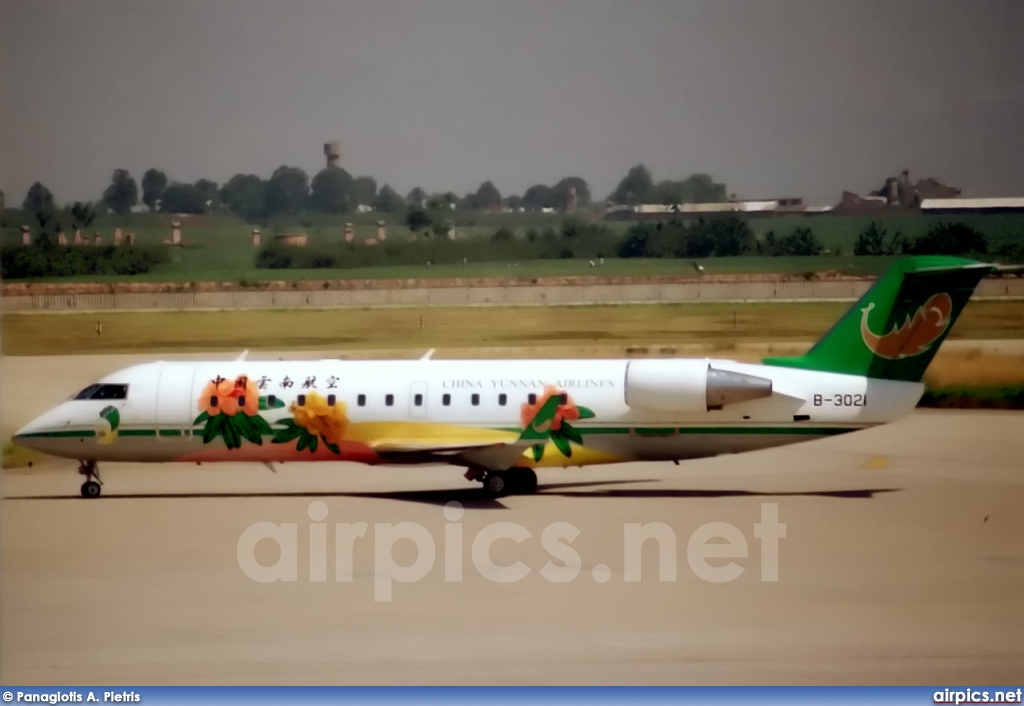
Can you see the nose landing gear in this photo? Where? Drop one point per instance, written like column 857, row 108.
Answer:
column 91, row 487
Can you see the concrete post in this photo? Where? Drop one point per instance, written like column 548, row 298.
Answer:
column 175, row 232
column 381, row 231
column 26, row 235
column 256, row 237
column 62, row 239
column 118, row 236
column 350, row 233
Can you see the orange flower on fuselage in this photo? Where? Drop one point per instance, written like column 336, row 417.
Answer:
column 223, row 396
column 320, row 418
column 566, row 411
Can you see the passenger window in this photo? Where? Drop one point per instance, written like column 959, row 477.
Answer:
column 361, row 400
column 446, row 399
column 389, row 400
column 475, row 399
column 418, row 400
column 532, row 398
column 331, row 399
column 302, row 400
column 502, row 399
column 271, row 400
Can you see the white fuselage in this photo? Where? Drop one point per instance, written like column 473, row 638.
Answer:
column 631, row 414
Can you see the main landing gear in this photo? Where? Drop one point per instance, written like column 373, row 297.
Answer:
column 91, row 487
column 514, row 481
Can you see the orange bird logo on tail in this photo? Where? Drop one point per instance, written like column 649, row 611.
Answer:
column 915, row 334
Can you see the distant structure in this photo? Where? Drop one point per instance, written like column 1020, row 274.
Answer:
column 256, row 237
column 296, row 239
column 382, row 231
column 570, row 200
column 26, row 235
column 332, row 150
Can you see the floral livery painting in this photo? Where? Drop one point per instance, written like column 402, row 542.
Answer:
column 229, row 409
column 314, row 419
column 562, row 432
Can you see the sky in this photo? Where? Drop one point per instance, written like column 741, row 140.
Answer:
column 774, row 97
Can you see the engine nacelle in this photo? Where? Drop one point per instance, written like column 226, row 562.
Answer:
column 688, row 385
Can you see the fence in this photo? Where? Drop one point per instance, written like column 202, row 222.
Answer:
column 541, row 294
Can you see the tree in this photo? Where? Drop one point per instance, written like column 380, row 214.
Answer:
column 636, row 187
column 333, row 191
column 122, row 194
column 950, row 239
column 210, row 192
column 559, row 195
column 287, row 191
column 364, row 190
column 418, row 219
column 696, row 188
column 245, row 194
column 487, row 197
column 182, row 198
column 82, row 215
column 514, row 202
column 872, row 242
column 416, row 198
column 388, row 200
column 154, row 182
column 39, row 199
column 537, row 197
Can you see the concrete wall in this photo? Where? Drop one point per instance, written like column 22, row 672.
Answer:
column 663, row 292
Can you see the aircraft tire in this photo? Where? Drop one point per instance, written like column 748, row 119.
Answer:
column 497, row 484
column 90, row 489
column 524, row 481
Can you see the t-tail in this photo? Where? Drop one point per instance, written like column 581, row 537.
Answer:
column 895, row 329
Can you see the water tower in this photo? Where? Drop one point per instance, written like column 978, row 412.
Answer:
column 333, row 152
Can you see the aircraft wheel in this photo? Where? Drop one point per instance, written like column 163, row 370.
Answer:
column 90, row 489
column 496, row 483
column 524, row 481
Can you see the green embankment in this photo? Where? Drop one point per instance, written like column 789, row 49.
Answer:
column 220, row 246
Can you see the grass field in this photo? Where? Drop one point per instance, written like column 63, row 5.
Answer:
column 222, row 249
column 417, row 329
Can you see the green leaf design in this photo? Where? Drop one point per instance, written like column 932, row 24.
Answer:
column 214, row 428
column 312, row 443
column 585, row 412
column 286, row 435
column 562, row 443
column 538, row 452
column 303, row 440
column 571, row 433
column 201, row 418
column 333, row 447
column 260, row 425
column 243, row 424
column 231, row 437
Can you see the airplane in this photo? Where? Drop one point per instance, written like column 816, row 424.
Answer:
column 502, row 419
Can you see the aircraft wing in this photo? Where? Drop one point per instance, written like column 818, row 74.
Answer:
column 498, row 454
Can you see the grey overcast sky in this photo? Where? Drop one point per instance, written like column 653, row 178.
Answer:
column 774, row 97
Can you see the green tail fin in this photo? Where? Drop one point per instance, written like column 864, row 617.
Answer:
column 894, row 330
column 539, row 428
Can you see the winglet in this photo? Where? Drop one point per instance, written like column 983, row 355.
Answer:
column 241, row 356
column 539, row 428
column 426, row 356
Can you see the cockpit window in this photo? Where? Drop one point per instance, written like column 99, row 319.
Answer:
column 103, row 392
column 86, row 393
